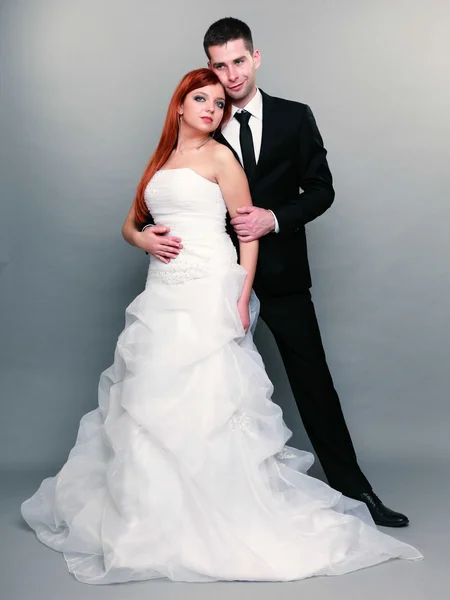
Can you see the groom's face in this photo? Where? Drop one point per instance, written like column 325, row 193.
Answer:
column 236, row 68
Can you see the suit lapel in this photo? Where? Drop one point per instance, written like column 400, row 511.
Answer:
column 269, row 132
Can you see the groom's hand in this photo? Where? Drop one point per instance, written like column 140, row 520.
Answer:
column 252, row 223
column 155, row 241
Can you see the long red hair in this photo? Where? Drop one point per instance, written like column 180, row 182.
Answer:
column 169, row 136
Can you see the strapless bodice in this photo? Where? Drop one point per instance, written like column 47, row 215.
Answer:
column 194, row 209
column 191, row 205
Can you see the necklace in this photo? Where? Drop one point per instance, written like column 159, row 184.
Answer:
column 208, row 139
column 182, row 150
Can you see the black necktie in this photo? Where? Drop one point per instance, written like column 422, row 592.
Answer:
column 246, row 141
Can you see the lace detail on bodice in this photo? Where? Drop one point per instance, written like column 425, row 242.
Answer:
column 183, row 269
column 179, row 274
column 194, row 210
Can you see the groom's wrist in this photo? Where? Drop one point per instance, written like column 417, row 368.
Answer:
column 276, row 227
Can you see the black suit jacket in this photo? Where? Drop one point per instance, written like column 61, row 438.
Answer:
column 292, row 179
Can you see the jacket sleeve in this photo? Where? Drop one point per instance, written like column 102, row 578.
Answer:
column 315, row 180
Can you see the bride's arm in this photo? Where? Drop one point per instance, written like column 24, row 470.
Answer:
column 130, row 229
column 153, row 239
column 236, row 193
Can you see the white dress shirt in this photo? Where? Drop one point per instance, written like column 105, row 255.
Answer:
column 232, row 130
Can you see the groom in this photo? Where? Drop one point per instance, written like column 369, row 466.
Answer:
column 281, row 149
column 279, row 145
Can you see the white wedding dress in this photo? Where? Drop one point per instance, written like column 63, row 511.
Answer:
column 182, row 471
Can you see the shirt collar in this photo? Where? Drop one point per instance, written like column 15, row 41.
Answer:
column 254, row 107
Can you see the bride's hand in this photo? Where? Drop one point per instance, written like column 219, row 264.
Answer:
column 155, row 241
column 243, row 311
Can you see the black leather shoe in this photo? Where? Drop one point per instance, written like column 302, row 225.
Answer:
column 381, row 514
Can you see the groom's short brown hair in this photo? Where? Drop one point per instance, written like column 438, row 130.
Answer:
column 226, row 30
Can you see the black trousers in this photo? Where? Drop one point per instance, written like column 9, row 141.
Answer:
column 293, row 323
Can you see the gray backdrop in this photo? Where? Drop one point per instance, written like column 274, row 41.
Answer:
column 84, row 89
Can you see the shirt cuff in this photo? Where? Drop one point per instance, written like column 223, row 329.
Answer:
column 277, row 227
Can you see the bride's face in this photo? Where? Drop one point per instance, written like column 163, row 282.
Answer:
column 202, row 108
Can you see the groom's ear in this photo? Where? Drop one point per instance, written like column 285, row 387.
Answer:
column 209, row 64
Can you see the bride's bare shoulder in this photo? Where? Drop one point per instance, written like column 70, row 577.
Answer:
column 222, row 154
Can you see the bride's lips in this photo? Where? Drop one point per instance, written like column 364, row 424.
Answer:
column 207, row 119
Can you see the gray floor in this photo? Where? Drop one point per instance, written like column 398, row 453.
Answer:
column 30, row 571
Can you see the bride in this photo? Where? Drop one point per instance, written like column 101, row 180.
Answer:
column 182, row 471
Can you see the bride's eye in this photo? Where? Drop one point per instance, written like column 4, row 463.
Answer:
column 220, row 104
column 198, row 98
